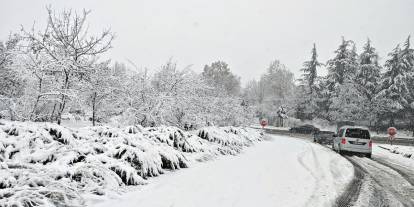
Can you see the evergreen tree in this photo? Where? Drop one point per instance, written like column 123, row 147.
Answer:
column 367, row 79
column 407, row 64
column 310, row 70
column 346, row 103
column 344, row 65
column 407, row 57
column 394, row 86
column 218, row 74
column 306, row 96
column 340, row 86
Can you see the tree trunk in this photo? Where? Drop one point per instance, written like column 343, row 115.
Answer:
column 93, row 108
column 63, row 99
column 412, row 121
column 392, row 121
column 53, row 113
column 12, row 118
column 37, row 100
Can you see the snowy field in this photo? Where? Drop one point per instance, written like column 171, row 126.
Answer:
column 283, row 171
column 44, row 164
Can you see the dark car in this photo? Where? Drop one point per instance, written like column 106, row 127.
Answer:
column 304, row 129
column 323, row 137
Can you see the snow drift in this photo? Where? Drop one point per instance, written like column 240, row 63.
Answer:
column 44, row 164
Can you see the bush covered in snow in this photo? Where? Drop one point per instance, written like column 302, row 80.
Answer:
column 44, row 164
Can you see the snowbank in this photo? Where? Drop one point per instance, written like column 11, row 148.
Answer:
column 44, row 164
column 406, row 151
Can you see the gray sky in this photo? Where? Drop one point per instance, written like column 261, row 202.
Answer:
column 247, row 34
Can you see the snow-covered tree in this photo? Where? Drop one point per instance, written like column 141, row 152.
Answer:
column 218, row 74
column 11, row 84
column 394, row 85
column 274, row 89
column 407, row 64
column 307, row 93
column 344, row 65
column 367, row 80
column 67, row 42
column 341, row 73
column 309, row 70
column 99, row 90
column 346, row 102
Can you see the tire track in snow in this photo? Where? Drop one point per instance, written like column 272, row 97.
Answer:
column 393, row 188
column 392, row 183
column 316, row 165
column 363, row 179
column 351, row 193
column 403, row 171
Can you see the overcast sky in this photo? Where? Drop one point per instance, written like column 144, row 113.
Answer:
column 247, row 34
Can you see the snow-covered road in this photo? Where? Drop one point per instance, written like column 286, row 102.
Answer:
column 387, row 179
column 283, row 171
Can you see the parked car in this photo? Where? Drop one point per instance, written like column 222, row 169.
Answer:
column 304, row 129
column 353, row 139
column 323, row 137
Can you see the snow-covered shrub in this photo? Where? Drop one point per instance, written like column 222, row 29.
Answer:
column 231, row 140
column 172, row 136
column 44, row 164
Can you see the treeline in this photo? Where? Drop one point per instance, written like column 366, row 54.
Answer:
column 358, row 88
column 49, row 73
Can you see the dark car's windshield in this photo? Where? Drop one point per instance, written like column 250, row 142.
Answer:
column 357, row 133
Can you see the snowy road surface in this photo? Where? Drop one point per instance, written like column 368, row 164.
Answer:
column 387, row 179
column 281, row 172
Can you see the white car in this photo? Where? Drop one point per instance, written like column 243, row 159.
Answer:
column 353, row 139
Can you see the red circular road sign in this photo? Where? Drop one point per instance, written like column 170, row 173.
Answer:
column 392, row 131
column 263, row 123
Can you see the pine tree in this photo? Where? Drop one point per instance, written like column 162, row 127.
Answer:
column 394, row 86
column 407, row 56
column 367, row 79
column 306, row 99
column 343, row 66
column 407, row 64
column 310, row 73
column 340, row 83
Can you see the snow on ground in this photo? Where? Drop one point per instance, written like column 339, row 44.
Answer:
column 283, row 171
column 44, row 164
column 405, row 151
column 388, row 179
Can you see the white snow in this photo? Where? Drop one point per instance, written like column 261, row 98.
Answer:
column 396, row 153
column 44, row 164
column 405, row 151
column 283, row 171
